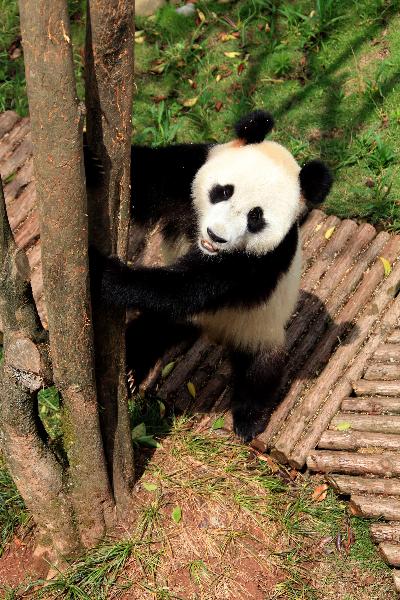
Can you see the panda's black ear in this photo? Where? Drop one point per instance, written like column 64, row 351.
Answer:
column 253, row 128
column 315, row 181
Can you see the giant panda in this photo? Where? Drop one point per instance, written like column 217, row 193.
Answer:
column 229, row 218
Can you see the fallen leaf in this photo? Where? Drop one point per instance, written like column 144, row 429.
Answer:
column 218, row 423
column 191, row 389
column 272, row 464
column 176, row 514
column 139, row 33
column 201, row 16
column 158, row 99
column 139, row 40
column 190, row 102
column 386, row 265
column 162, row 409
column 218, row 106
column 231, row 54
column 320, row 492
column 343, row 426
column 329, row 232
column 150, row 487
column 225, row 37
column 240, row 68
column 139, row 431
column 168, row 368
column 218, row 77
column 159, row 68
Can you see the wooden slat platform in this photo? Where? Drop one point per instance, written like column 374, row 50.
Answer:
column 340, row 408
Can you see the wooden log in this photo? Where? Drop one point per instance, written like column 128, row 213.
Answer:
column 13, row 139
column 346, row 484
column 396, row 579
column 386, row 464
column 336, row 244
column 390, row 553
column 385, row 371
column 322, row 346
column 388, row 353
column 318, row 240
column 18, row 157
column 214, row 388
column 302, row 417
column 385, row 532
column 315, row 218
column 376, row 423
column 202, row 374
column 362, row 387
column 24, row 176
column 353, row 440
column 394, row 337
column 181, row 373
column 149, row 384
column 371, row 404
column 8, row 120
column 375, row 506
column 29, row 232
column 310, row 304
column 19, row 211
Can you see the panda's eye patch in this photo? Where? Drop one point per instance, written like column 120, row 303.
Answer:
column 218, row 193
column 255, row 220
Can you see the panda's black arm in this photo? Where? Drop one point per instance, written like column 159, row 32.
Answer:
column 196, row 282
column 186, row 288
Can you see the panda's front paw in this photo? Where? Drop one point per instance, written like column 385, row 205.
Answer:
column 248, row 422
column 104, row 276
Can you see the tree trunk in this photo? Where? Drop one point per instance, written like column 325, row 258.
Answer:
column 109, row 91
column 56, row 123
column 35, row 469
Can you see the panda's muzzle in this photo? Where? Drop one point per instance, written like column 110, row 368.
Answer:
column 215, row 237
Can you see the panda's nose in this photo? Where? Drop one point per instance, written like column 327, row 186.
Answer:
column 215, row 237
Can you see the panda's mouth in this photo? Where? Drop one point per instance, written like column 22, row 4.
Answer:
column 209, row 246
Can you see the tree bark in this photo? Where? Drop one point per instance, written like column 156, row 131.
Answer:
column 109, row 93
column 36, row 471
column 56, row 123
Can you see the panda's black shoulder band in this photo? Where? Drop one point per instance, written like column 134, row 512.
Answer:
column 253, row 128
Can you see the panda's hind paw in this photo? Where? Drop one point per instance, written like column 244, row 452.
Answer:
column 247, row 424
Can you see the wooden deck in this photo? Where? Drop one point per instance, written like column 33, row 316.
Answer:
column 340, row 409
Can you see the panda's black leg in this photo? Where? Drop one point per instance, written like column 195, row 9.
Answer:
column 256, row 379
column 148, row 336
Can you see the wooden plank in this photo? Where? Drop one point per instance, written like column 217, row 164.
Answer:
column 384, row 371
column 8, row 120
column 214, row 388
column 354, row 440
column 347, row 484
column 390, row 553
column 321, row 343
column 311, row 304
column 181, row 373
column 28, row 233
column 362, row 387
column 318, row 240
column 386, row 464
column 388, row 353
column 396, row 579
column 315, row 218
column 394, row 337
column 15, row 137
column 18, row 157
column 376, row 423
column 375, row 506
column 371, row 404
column 303, row 415
column 24, row 176
column 385, row 532
column 201, row 375
column 19, row 211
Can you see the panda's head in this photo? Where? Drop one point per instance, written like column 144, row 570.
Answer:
column 247, row 194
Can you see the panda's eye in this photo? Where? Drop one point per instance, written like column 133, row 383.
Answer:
column 255, row 220
column 218, row 193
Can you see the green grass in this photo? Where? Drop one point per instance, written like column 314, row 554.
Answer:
column 13, row 514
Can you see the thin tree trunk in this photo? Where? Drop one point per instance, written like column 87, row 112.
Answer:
column 56, row 122
column 36, row 471
column 109, row 90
